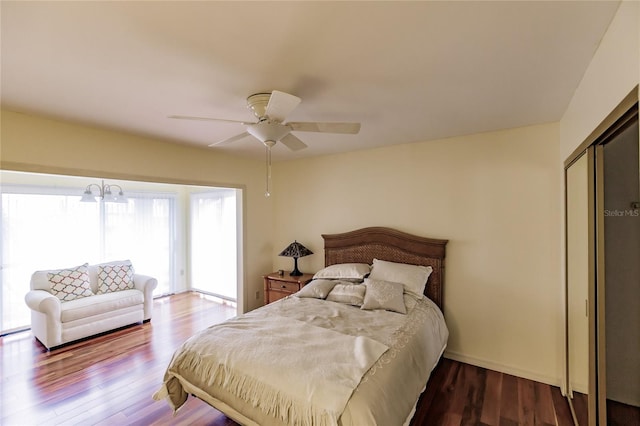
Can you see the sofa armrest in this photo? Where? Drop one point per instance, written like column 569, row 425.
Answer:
column 146, row 285
column 44, row 302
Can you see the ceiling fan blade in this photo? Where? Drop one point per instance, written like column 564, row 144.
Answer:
column 188, row 117
column 231, row 139
column 347, row 128
column 293, row 143
column 280, row 105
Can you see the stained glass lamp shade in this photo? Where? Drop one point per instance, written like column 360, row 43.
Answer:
column 295, row 250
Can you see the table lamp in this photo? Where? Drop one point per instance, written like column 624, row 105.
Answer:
column 295, row 250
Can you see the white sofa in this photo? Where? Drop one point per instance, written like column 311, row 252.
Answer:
column 55, row 322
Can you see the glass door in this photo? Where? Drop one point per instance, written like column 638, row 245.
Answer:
column 214, row 243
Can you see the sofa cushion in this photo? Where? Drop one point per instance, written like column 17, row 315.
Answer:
column 70, row 283
column 115, row 276
column 99, row 324
column 99, row 304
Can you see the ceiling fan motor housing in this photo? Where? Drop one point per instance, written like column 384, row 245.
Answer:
column 257, row 103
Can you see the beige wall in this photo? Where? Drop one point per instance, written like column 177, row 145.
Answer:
column 495, row 196
column 36, row 144
column 613, row 73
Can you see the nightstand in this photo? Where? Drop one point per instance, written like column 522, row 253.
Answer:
column 278, row 286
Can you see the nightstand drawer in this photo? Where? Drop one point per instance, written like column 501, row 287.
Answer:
column 278, row 286
column 283, row 286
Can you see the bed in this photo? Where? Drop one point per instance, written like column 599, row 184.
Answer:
column 348, row 351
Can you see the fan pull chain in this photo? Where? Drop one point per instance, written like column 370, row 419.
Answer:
column 268, row 192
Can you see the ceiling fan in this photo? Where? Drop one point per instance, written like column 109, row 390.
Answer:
column 271, row 109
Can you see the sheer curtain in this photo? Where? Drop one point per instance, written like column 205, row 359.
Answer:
column 49, row 228
column 41, row 229
column 143, row 230
column 214, row 243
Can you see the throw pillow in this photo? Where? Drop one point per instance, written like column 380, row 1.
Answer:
column 70, row 283
column 385, row 295
column 115, row 277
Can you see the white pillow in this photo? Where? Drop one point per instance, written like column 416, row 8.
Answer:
column 351, row 294
column 70, row 283
column 385, row 295
column 344, row 271
column 413, row 277
column 317, row 289
column 115, row 276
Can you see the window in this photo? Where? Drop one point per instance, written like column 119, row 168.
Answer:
column 214, row 243
column 40, row 231
column 49, row 228
column 45, row 226
column 143, row 230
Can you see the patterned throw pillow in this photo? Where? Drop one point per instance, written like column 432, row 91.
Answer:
column 115, row 277
column 385, row 295
column 70, row 283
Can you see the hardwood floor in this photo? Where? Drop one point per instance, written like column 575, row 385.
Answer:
column 109, row 380
column 462, row 394
column 619, row 414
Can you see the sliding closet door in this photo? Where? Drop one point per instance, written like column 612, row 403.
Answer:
column 580, row 256
column 619, row 290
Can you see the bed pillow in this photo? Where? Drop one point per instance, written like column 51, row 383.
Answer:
column 351, row 294
column 385, row 295
column 317, row 289
column 70, row 283
column 115, row 276
column 413, row 277
column 344, row 271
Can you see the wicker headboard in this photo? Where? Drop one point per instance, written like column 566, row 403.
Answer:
column 363, row 245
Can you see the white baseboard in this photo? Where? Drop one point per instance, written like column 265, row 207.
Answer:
column 514, row 371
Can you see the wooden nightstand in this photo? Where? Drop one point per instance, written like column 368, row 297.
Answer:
column 278, row 286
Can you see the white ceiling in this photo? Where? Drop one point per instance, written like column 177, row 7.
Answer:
column 408, row 71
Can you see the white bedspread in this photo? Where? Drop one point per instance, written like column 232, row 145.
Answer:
column 260, row 363
column 387, row 381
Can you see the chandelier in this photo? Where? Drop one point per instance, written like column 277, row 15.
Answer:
column 105, row 193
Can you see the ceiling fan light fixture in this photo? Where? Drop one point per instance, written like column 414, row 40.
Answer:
column 267, row 130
